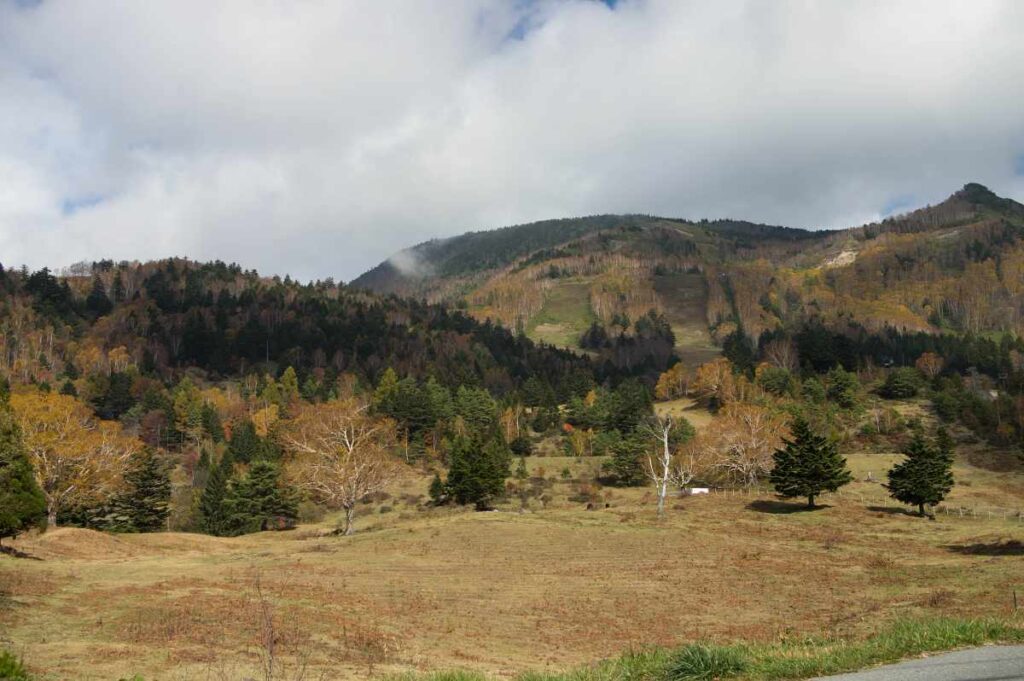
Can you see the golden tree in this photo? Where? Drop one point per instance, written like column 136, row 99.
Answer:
column 76, row 458
column 673, row 383
column 715, row 381
column 340, row 454
column 930, row 364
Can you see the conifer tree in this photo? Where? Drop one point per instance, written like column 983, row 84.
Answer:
column 477, row 473
column 97, row 300
column 258, row 500
column 246, row 445
column 211, row 422
column 925, row 476
column 627, row 462
column 289, row 385
column 521, row 473
column 22, row 504
column 437, row 492
column 145, row 505
column 118, row 288
column 211, row 503
column 807, row 465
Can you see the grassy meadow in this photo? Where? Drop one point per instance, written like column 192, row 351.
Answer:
column 539, row 590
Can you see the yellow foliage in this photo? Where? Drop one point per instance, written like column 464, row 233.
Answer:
column 264, row 419
column 76, row 458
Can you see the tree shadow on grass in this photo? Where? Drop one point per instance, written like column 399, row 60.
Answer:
column 894, row 510
column 1010, row 547
column 783, row 507
column 15, row 553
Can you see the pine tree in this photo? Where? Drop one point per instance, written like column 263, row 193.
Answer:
column 289, row 385
column 97, row 300
column 211, row 503
column 437, row 492
column 118, row 288
column 521, row 473
column 22, row 504
column 258, row 501
column 627, row 462
column 246, row 445
column 146, row 503
column 477, row 473
column 925, row 476
column 211, row 422
column 807, row 465
column 842, row 387
column 901, row 383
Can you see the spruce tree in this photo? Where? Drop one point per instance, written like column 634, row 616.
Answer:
column 627, row 462
column 807, row 465
column 118, row 288
column 146, row 503
column 477, row 473
column 97, row 300
column 925, row 476
column 22, row 504
column 246, row 445
column 901, row 383
column 211, row 503
column 258, row 501
column 437, row 492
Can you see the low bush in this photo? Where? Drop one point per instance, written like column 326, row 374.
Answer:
column 11, row 668
column 704, row 662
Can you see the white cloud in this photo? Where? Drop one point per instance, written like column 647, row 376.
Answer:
column 316, row 138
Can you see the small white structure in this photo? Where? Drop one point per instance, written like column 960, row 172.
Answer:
column 691, row 491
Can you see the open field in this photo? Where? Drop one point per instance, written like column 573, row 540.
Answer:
column 505, row 591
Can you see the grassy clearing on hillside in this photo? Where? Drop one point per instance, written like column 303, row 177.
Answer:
column 684, row 302
column 505, row 592
column 565, row 316
column 698, row 416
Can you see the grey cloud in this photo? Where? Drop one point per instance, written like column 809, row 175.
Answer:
column 317, row 139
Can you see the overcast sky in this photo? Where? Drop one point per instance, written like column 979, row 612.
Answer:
column 315, row 138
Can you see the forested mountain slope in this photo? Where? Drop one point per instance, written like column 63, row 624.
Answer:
column 955, row 267
column 216, row 320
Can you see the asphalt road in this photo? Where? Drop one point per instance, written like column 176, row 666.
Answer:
column 991, row 663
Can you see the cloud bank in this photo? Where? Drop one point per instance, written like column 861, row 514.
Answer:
column 316, row 138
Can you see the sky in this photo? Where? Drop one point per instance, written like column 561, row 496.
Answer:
column 315, row 138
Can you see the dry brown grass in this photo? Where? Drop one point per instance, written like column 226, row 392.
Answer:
column 698, row 416
column 498, row 591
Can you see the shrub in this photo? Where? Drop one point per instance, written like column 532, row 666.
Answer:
column 703, row 661
column 901, row 383
column 775, row 380
column 11, row 668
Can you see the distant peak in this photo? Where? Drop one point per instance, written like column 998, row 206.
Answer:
column 977, row 193
column 980, row 196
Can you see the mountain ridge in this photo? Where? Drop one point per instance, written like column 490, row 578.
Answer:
column 554, row 277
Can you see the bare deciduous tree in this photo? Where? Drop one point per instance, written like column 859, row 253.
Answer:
column 781, row 353
column 668, row 463
column 659, row 461
column 340, row 454
column 740, row 442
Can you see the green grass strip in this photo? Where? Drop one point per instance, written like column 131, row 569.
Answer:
column 789, row 659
